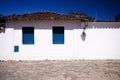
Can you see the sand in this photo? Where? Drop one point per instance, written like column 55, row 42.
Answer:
column 60, row 70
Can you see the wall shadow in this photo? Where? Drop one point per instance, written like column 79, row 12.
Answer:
column 68, row 26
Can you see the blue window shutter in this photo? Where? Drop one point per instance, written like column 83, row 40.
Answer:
column 28, row 35
column 58, row 35
column 16, row 48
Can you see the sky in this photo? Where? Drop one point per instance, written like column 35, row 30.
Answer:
column 99, row 9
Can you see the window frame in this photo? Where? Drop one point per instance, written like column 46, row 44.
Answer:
column 16, row 48
column 29, row 33
column 60, row 33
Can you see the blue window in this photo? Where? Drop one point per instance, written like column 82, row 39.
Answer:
column 58, row 35
column 16, row 48
column 28, row 35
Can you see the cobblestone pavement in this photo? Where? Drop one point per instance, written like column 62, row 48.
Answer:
column 60, row 70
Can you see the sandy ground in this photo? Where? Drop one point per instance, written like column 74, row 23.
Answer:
column 60, row 70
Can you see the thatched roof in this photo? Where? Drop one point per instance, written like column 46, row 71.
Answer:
column 45, row 15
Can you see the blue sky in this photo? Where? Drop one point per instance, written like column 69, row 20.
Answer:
column 100, row 9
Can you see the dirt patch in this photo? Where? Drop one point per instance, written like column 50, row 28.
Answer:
column 60, row 70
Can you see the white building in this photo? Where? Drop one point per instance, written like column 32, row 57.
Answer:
column 48, row 35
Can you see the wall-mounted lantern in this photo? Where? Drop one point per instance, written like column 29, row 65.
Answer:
column 2, row 24
column 83, row 35
column 2, row 29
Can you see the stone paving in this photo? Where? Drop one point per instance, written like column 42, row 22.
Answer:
column 60, row 70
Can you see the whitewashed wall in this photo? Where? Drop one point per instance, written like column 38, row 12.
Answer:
column 100, row 43
column 6, row 44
